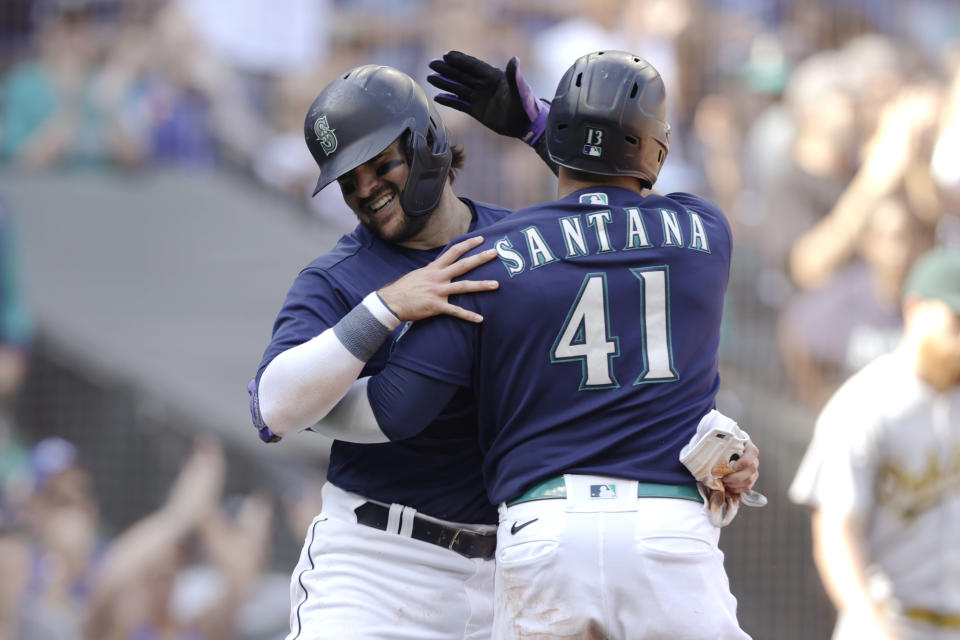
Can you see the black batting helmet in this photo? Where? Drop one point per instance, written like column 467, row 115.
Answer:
column 361, row 113
column 608, row 117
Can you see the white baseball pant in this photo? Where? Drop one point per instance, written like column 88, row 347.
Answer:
column 357, row 582
column 603, row 563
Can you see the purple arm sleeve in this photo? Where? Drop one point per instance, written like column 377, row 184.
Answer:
column 405, row 402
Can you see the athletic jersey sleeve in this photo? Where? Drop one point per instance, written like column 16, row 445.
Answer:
column 442, row 347
column 405, row 402
column 420, row 379
column 839, row 467
column 699, row 204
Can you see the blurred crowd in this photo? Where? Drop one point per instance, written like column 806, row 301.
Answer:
column 828, row 131
column 196, row 567
column 825, row 129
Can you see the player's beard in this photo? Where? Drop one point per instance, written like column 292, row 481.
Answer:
column 938, row 362
column 397, row 226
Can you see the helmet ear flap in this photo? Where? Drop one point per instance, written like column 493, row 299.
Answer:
column 429, row 157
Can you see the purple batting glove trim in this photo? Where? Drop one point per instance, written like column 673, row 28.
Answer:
column 537, row 126
column 452, row 97
column 445, row 80
column 527, row 99
column 262, row 429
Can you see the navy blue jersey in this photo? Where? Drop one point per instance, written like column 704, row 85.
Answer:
column 598, row 354
column 436, row 472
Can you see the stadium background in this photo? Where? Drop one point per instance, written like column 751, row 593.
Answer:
column 152, row 280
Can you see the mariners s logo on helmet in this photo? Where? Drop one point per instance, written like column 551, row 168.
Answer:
column 325, row 135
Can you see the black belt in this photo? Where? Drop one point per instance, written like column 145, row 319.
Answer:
column 469, row 544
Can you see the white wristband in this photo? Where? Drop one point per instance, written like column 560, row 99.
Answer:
column 375, row 304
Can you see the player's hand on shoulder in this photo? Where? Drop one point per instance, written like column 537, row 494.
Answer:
column 424, row 292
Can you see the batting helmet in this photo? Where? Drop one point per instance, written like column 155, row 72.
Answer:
column 608, row 117
column 361, row 113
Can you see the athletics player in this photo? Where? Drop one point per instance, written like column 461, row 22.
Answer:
column 387, row 548
column 594, row 364
column 882, row 474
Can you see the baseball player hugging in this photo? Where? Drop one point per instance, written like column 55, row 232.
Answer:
column 594, row 370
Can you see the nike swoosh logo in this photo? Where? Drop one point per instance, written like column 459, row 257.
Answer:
column 515, row 528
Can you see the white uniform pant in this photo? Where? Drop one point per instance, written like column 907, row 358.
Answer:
column 355, row 581
column 617, row 568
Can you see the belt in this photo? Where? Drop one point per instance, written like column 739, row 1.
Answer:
column 556, row 488
column 945, row 620
column 469, row 544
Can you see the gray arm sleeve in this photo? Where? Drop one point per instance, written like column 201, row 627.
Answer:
column 360, row 332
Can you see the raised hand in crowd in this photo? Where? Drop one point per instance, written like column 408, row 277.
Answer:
column 894, row 148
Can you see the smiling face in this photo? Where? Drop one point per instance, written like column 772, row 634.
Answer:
column 372, row 191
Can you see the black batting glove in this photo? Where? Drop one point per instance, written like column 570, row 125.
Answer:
column 499, row 99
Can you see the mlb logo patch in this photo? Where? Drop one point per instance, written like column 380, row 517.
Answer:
column 603, row 490
column 594, row 198
column 593, row 142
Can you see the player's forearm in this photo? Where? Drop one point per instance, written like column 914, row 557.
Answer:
column 352, row 419
column 395, row 404
column 302, row 384
column 405, row 402
column 838, row 553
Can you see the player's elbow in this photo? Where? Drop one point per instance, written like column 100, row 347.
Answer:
column 271, row 414
column 289, row 402
column 263, row 429
column 279, row 415
column 278, row 423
